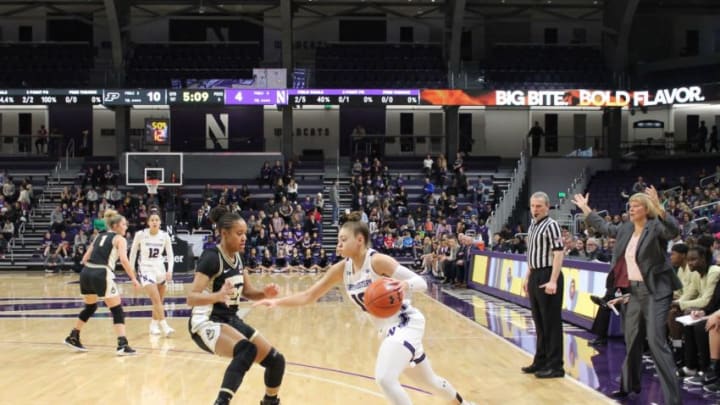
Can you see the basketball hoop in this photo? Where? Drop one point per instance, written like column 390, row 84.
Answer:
column 152, row 186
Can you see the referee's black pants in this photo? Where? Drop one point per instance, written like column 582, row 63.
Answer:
column 546, row 312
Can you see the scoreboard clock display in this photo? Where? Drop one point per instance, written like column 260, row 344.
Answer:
column 196, row 96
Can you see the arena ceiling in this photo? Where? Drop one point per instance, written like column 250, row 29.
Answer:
column 415, row 9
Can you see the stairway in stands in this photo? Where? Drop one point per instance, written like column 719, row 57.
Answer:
column 27, row 245
column 330, row 232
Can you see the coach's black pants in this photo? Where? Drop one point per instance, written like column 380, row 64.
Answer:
column 546, row 312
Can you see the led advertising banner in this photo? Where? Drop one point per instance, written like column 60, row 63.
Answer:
column 355, row 96
column 571, row 98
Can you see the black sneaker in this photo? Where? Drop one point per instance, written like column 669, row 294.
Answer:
column 125, row 350
column 712, row 388
column 270, row 401
column 696, row 380
column 74, row 343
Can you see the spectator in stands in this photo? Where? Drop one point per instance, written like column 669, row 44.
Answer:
column 42, row 140
column 8, row 190
column 25, row 198
column 289, row 171
column 428, row 189
column 266, row 175
column 702, row 134
column 292, row 190
column 578, row 249
column 201, row 220
column 8, row 229
column 442, row 168
column 458, row 164
column 593, row 251
column 110, row 177
column 57, row 221
column 428, row 166
column 277, row 171
column 714, row 142
column 536, row 133
column 639, row 186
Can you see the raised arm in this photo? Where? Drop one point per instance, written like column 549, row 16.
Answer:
column 667, row 225
column 321, row 287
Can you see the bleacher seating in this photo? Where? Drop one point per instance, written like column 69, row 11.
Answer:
column 46, row 64
column 545, row 67
column 384, row 66
column 690, row 75
column 605, row 186
column 152, row 65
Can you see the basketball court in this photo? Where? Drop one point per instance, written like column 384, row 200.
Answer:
column 330, row 349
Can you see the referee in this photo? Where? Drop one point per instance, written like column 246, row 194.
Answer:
column 544, row 287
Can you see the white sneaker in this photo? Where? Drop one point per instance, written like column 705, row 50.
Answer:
column 167, row 330
column 155, row 329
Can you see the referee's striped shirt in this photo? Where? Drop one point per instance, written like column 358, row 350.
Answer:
column 544, row 237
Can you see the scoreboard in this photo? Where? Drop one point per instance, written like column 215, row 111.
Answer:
column 50, row 96
column 367, row 97
column 131, row 97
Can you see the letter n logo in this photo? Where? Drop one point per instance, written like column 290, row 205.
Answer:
column 217, row 131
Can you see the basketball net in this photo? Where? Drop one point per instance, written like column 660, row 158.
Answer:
column 152, row 186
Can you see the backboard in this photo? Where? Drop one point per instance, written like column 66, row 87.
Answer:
column 165, row 166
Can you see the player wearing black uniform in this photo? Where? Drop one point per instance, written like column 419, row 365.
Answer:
column 218, row 285
column 97, row 281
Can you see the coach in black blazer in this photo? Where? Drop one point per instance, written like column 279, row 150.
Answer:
column 643, row 241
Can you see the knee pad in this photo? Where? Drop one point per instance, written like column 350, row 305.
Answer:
column 87, row 312
column 244, row 354
column 274, row 364
column 118, row 314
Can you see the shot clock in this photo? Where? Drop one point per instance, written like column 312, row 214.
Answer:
column 157, row 131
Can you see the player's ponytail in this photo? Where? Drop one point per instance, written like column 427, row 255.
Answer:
column 354, row 223
column 112, row 218
column 223, row 218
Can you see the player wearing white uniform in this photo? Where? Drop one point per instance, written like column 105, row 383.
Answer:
column 401, row 350
column 151, row 243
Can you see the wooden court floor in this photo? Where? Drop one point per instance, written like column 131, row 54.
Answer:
column 329, row 347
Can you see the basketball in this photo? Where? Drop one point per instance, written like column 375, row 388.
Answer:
column 381, row 299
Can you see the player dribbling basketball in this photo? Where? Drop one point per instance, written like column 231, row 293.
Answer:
column 401, row 350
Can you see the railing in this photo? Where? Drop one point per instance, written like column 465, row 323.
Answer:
column 709, row 179
column 671, row 190
column 69, row 152
column 397, row 145
column 506, row 203
column 579, row 218
column 11, row 248
column 24, row 144
column 708, row 205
